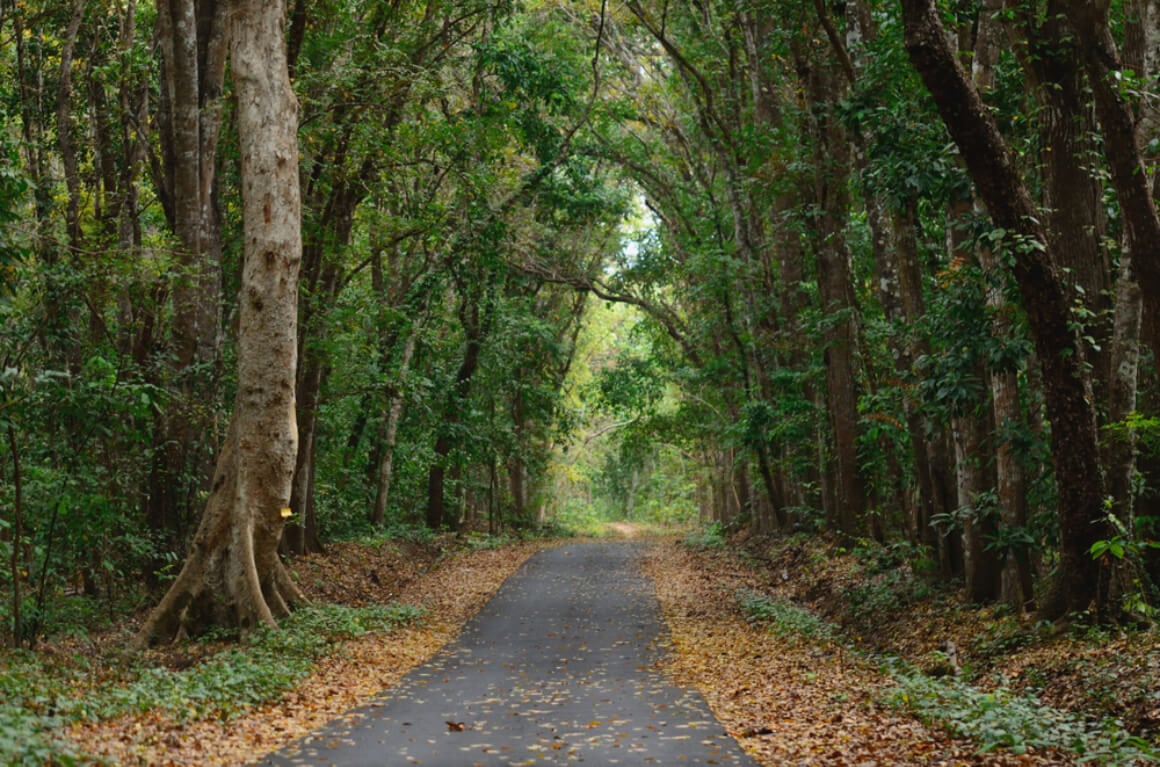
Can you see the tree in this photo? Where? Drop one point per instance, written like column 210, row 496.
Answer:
column 1021, row 239
column 233, row 576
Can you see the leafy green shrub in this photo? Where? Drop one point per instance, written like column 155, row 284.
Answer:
column 883, row 593
column 711, row 536
column 27, row 738
column 485, row 541
column 1001, row 637
column 397, row 531
column 784, row 619
column 1002, row 719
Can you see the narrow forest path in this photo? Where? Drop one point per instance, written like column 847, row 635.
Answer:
column 562, row 666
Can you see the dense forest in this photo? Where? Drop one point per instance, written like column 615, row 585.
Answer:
column 882, row 271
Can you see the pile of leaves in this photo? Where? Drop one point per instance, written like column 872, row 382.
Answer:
column 788, row 640
column 379, row 609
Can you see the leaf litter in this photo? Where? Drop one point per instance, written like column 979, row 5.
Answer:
column 800, row 700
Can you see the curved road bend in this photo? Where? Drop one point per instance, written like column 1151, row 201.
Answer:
column 559, row 668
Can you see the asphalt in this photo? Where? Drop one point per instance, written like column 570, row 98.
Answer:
column 561, row 667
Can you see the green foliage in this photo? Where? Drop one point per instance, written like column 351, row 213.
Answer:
column 398, row 531
column 1124, row 551
column 711, row 536
column 1001, row 637
column 784, row 619
column 272, row 662
column 1143, row 427
column 580, row 518
column 28, row 718
column 487, row 541
column 1002, row 719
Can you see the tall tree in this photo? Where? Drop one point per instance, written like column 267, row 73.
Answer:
column 1021, row 238
column 233, row 576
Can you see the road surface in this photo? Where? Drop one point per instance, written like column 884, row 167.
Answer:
column 561, row 667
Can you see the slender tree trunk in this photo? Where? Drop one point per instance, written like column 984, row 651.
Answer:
column 981, row 576
column 191, row 36
column 393, row 416
column 17, row 626
column 1014, row 584
column 233, row 576
column 835, row 288
column 64, row 131
column 475, row 320
column 301, row 535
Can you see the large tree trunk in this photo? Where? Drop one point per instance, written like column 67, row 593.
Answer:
column 1097, row 50
column 1067, row 390
column 233, row 576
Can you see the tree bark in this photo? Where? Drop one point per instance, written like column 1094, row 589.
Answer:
column 233, row 576
column 68, row 155
column 980, row 575
column 475, row 321
column 1013, row 585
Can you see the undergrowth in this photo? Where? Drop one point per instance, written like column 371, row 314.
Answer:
column 1003, row 719
column 36, row 701
column 711, row 536
column 998, row 719
column 784, row 619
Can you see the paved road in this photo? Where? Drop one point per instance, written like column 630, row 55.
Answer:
column 559, row 668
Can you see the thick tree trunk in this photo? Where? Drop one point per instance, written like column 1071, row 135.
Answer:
column 233, row 576
column 1067, row 391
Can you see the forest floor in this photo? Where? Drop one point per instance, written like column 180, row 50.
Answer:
column 450, row 582
column 789, row 640
column 786, row 639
